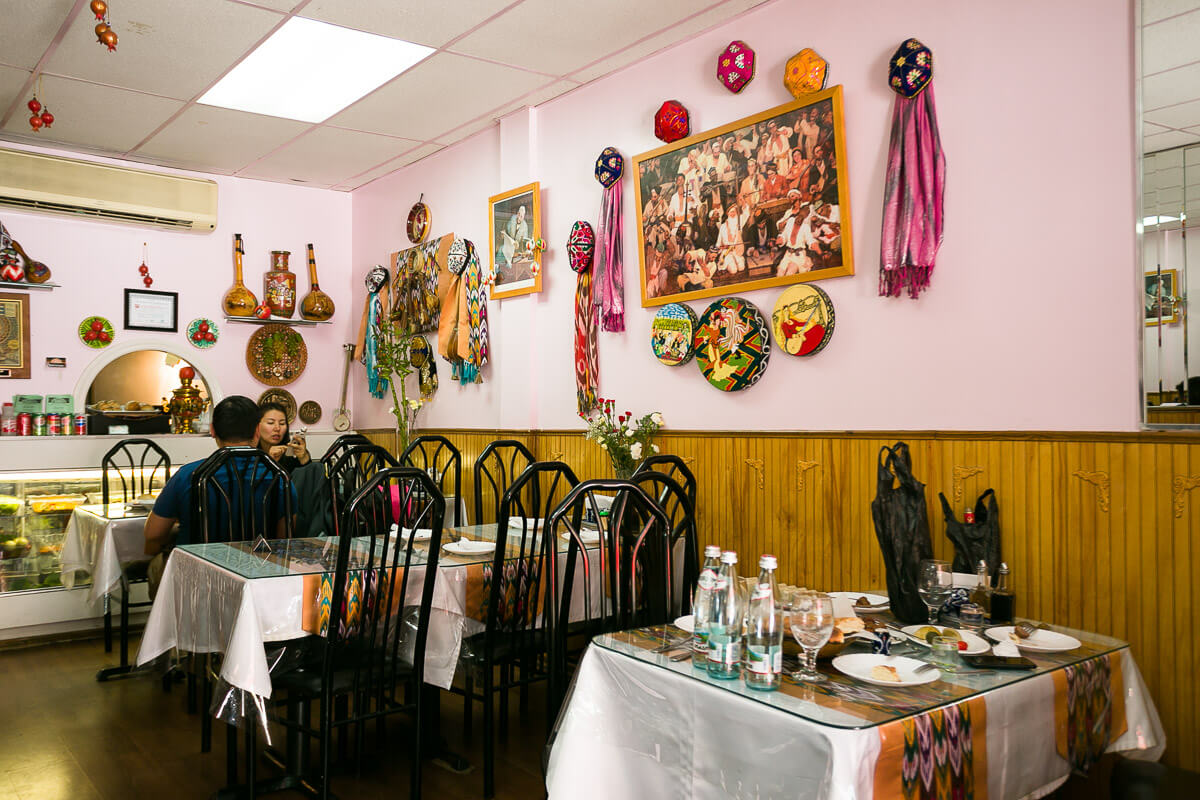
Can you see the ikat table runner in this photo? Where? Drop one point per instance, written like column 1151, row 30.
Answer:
column 1089, row 710
column 938, row 755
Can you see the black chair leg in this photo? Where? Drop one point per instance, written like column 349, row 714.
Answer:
column 341, row 710
column 124, row 633
column 414, row 790
column 107, row 625
column 251, row 755
column 231, row 756
column 505, row 684
column 489, row 733
column 206, row 691
column 468, row 696
column 526, row 669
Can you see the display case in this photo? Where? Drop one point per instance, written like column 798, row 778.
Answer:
column 35, row 508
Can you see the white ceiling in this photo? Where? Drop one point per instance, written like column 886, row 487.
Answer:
column 493, row 57
column 1170, row 74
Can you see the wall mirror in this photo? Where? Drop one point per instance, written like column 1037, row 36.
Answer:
column 1170, row 257
column 128, row 392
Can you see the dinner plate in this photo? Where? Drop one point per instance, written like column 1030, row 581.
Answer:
column 585, row 536
column 859, row 666
column 879, row 602
column 142, row 502
column 976, row 645
column 1040, row 642
column 423, row 534
column 516, row 522
column 467, row 547
column 687, row 623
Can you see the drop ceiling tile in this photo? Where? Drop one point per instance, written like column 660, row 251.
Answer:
column 1170, row 44
column 278, row 5
column 569, row 33
column 673, row 35
column 327, row 157
column 537, row 97
column 1155, row 10
column 1171, row 87
column 1184, row 115
column 464, row 131
column 390, row 167
column 11, row 81
column 220, row 139
column 30, row 27
column 1149, row 129
column 99, row 117
column 440, row 93
column 1162, row 141
column 428, row 22
column 174, row 49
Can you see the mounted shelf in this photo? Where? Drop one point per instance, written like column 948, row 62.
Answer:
column 280, row 320
column 28, row 287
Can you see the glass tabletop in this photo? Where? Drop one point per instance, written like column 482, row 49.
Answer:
column 842, row 701
column 114, row 511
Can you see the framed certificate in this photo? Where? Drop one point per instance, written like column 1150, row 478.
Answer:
column 151, row 311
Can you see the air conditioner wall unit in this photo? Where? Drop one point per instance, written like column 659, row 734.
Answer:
column 65, row 186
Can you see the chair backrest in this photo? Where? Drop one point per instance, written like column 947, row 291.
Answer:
column 239, row 494
column 673, row 467
column 136, row 464
column 368, row 631
column 517, row 599
column 672, row 498
column 339, row 446
column 494, row 471
column 438, row 457
column 351, row 470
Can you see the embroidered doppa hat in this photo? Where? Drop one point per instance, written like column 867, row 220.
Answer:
column 609, row 166
column 805, row 73
column 910, row 69
column 376, row 278
column 459, row 255
column 671, row 123
column 735, row 66
column 580, row 246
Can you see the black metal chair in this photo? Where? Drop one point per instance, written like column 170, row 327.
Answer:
column 673, row 467
column 515, row 638
column 339, row 446
column 135, row 467
column 672, row 498
column 365, row 670
column 496, row 468
column 438, row 456
column 624, row 578
column 353, row 467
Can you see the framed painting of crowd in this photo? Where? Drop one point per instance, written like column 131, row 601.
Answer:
column 760, row 202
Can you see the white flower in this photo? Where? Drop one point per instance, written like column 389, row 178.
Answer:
column 654, row 447
column 629, row 433
column 657, row 419
column 414, row 404
column 603, row 446
column 392, row 410
column 636, row 450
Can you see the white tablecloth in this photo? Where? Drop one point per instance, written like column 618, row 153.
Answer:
column 100, row 546
column 636, row 729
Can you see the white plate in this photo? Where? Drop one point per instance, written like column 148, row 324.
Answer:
column 140, row 503
column 879, row 602
column 859, row 666
column 976, row 645
column 1040, row 642
column 585, row 536
column 516, row 522
column 423, row 534
column 467, row 547
column 686, row 623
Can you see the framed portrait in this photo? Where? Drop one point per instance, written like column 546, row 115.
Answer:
column 151, row 311
column 1160, row 301
column 14, row 336
column 514, row 226
column 764, row 201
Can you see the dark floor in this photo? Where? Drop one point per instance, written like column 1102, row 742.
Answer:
column 63, row 735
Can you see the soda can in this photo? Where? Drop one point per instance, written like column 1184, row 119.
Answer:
column 81, row 425
column 68, row 426
column 24, row 424
column 39, row 424
column 969, row 517
column 54, row 425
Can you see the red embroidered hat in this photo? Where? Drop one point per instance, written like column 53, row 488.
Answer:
column 671, row 123
column 580, row 246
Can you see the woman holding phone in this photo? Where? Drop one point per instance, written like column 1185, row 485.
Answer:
column 276, row 440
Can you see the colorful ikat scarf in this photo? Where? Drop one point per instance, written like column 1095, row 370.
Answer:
column 580, row 248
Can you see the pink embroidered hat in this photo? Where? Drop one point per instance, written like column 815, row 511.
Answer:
column 735, row 66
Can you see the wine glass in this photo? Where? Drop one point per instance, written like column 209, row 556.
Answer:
column 810, row 616
column 934, row 582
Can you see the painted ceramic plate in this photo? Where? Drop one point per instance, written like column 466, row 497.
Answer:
column 202, row 333
column 419, row 219
column 803, row 320
column 276, row 354
column 99, row 330
column 310, row 412
column 672, row 334
column 732, row 344
column 284, row 398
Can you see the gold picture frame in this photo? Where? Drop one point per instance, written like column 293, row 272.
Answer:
column 14, row 336
column 514, row 230
column 1167, row 303
column 683, row 251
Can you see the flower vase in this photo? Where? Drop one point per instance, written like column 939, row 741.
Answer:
column 623, row 471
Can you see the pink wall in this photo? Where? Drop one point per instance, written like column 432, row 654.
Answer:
column 1033, row 316
column 96, row 261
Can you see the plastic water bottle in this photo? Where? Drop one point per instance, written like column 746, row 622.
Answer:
column 706, row 584
column 725, row 624
column 764, row 630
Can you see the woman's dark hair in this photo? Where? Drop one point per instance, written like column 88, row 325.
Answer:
column 264, row 408
column 235, row 419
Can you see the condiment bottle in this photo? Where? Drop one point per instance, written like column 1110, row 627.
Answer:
column 1004, row 600
column 981, row 595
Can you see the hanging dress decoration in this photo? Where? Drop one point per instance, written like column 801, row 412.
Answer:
column 609, row 296
column 916, row 177
column 374, row 315
column 449, row 290
column 581, row 247
column 472, row 328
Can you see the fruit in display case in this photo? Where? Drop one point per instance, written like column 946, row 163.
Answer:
column 15, row 548
column 9, row 505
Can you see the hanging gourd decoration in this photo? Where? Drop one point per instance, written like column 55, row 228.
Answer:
column 35, row 122
column 34, row 105
column 99, row 8
column 106, row 36
column 47, row 118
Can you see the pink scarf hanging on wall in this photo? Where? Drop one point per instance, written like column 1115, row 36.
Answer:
column 609, row 287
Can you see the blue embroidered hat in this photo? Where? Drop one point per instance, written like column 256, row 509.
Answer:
column 609, row 166
column 910, row 69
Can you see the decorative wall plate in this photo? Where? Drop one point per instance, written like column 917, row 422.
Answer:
column 419, row 220
column 284, row 398
column 672, row 334
column 276, row 354
column 803, row 320
column 310, row 412
column 202, row 332
column 96, row 332
column 732, row 344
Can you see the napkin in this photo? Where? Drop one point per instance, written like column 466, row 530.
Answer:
column 843, row 607
column 1006, row 649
